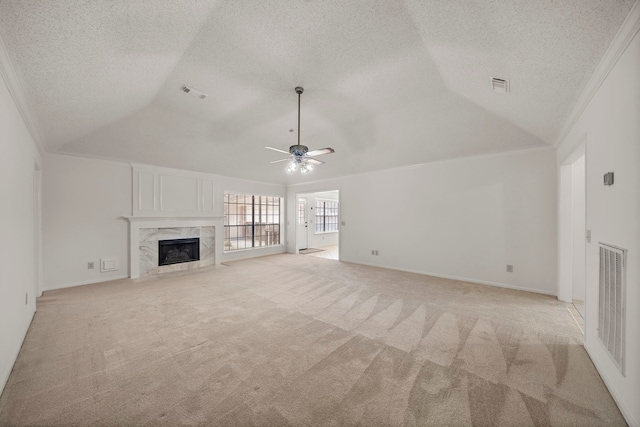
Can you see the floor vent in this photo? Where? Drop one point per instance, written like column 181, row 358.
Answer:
column 611, row 302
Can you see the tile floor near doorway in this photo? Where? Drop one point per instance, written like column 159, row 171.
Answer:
column 327, row 252
column 579, row 305
column 577, row 311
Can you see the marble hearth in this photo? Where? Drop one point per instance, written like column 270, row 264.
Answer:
column 144, row 233
column 149, row 237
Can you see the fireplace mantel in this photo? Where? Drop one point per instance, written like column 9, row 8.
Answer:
column 171, row 218
column 137, row 223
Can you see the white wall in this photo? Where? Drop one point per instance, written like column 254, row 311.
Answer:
column 18, row 159
column 464, row 218
column 318, row 239
column 84, row 201
column 611, row 123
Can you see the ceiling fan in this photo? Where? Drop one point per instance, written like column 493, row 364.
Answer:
column 299, row 155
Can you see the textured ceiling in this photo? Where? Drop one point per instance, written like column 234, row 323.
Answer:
column 387, row 83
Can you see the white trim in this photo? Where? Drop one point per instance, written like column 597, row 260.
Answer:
column 172, row 219
column 239, row 254
column 234, row 251
column 626, row 33
column 458, row 278
column 16, row 86
column 626, row 411
column 494, row 154
column 86, row 282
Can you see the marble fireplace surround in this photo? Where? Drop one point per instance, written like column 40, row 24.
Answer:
column 144, row 233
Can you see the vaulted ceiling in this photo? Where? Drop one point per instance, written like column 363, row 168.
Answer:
column 387, row 83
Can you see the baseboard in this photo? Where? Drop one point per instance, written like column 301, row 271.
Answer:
column 14, row 357
column 462, row 279
column 85, row 282
column 626, row 412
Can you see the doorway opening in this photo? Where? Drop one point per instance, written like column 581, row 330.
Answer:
column 37, row 233
column 318, row 224
column 574, row 235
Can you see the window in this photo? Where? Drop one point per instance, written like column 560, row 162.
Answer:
column 251, row 221
column 326, row 216
column 302, row 217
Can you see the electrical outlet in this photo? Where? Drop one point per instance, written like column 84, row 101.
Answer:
column 26, row 298
column 91, row 265
column 509, row 268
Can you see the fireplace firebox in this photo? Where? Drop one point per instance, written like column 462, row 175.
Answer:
column 178, row 250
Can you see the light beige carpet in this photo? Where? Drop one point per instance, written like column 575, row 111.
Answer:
column 298, row 340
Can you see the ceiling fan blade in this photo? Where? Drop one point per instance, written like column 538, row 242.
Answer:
column 277, row 149
column 321, row 151
column 281, row 160
column 314, row 161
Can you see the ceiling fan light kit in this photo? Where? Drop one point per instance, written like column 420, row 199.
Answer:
column 305, row 167
column 299, row 155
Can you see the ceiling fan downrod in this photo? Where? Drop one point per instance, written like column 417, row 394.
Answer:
column 299, row 91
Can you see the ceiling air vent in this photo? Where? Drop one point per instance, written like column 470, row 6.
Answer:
column 499, row 85
column 193, row 92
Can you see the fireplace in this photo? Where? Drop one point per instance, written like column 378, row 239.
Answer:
column 176, row 251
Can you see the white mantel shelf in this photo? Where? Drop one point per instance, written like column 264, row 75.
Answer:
column 171, row 218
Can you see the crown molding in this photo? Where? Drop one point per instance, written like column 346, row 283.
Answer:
column 16, row 86
column 620, row 42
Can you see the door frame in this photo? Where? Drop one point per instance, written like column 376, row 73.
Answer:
column 567, row 260
column 306, row 222
column 37, row 232
column 306, row 194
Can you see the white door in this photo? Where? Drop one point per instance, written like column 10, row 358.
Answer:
column 302, row 224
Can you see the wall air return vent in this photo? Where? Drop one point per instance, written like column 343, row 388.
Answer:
column 611, row 302
column 193, row 92
column 499, row 85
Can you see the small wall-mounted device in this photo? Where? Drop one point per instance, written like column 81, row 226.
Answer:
column 193, row 92
column 108, row 264
column 608, row 178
